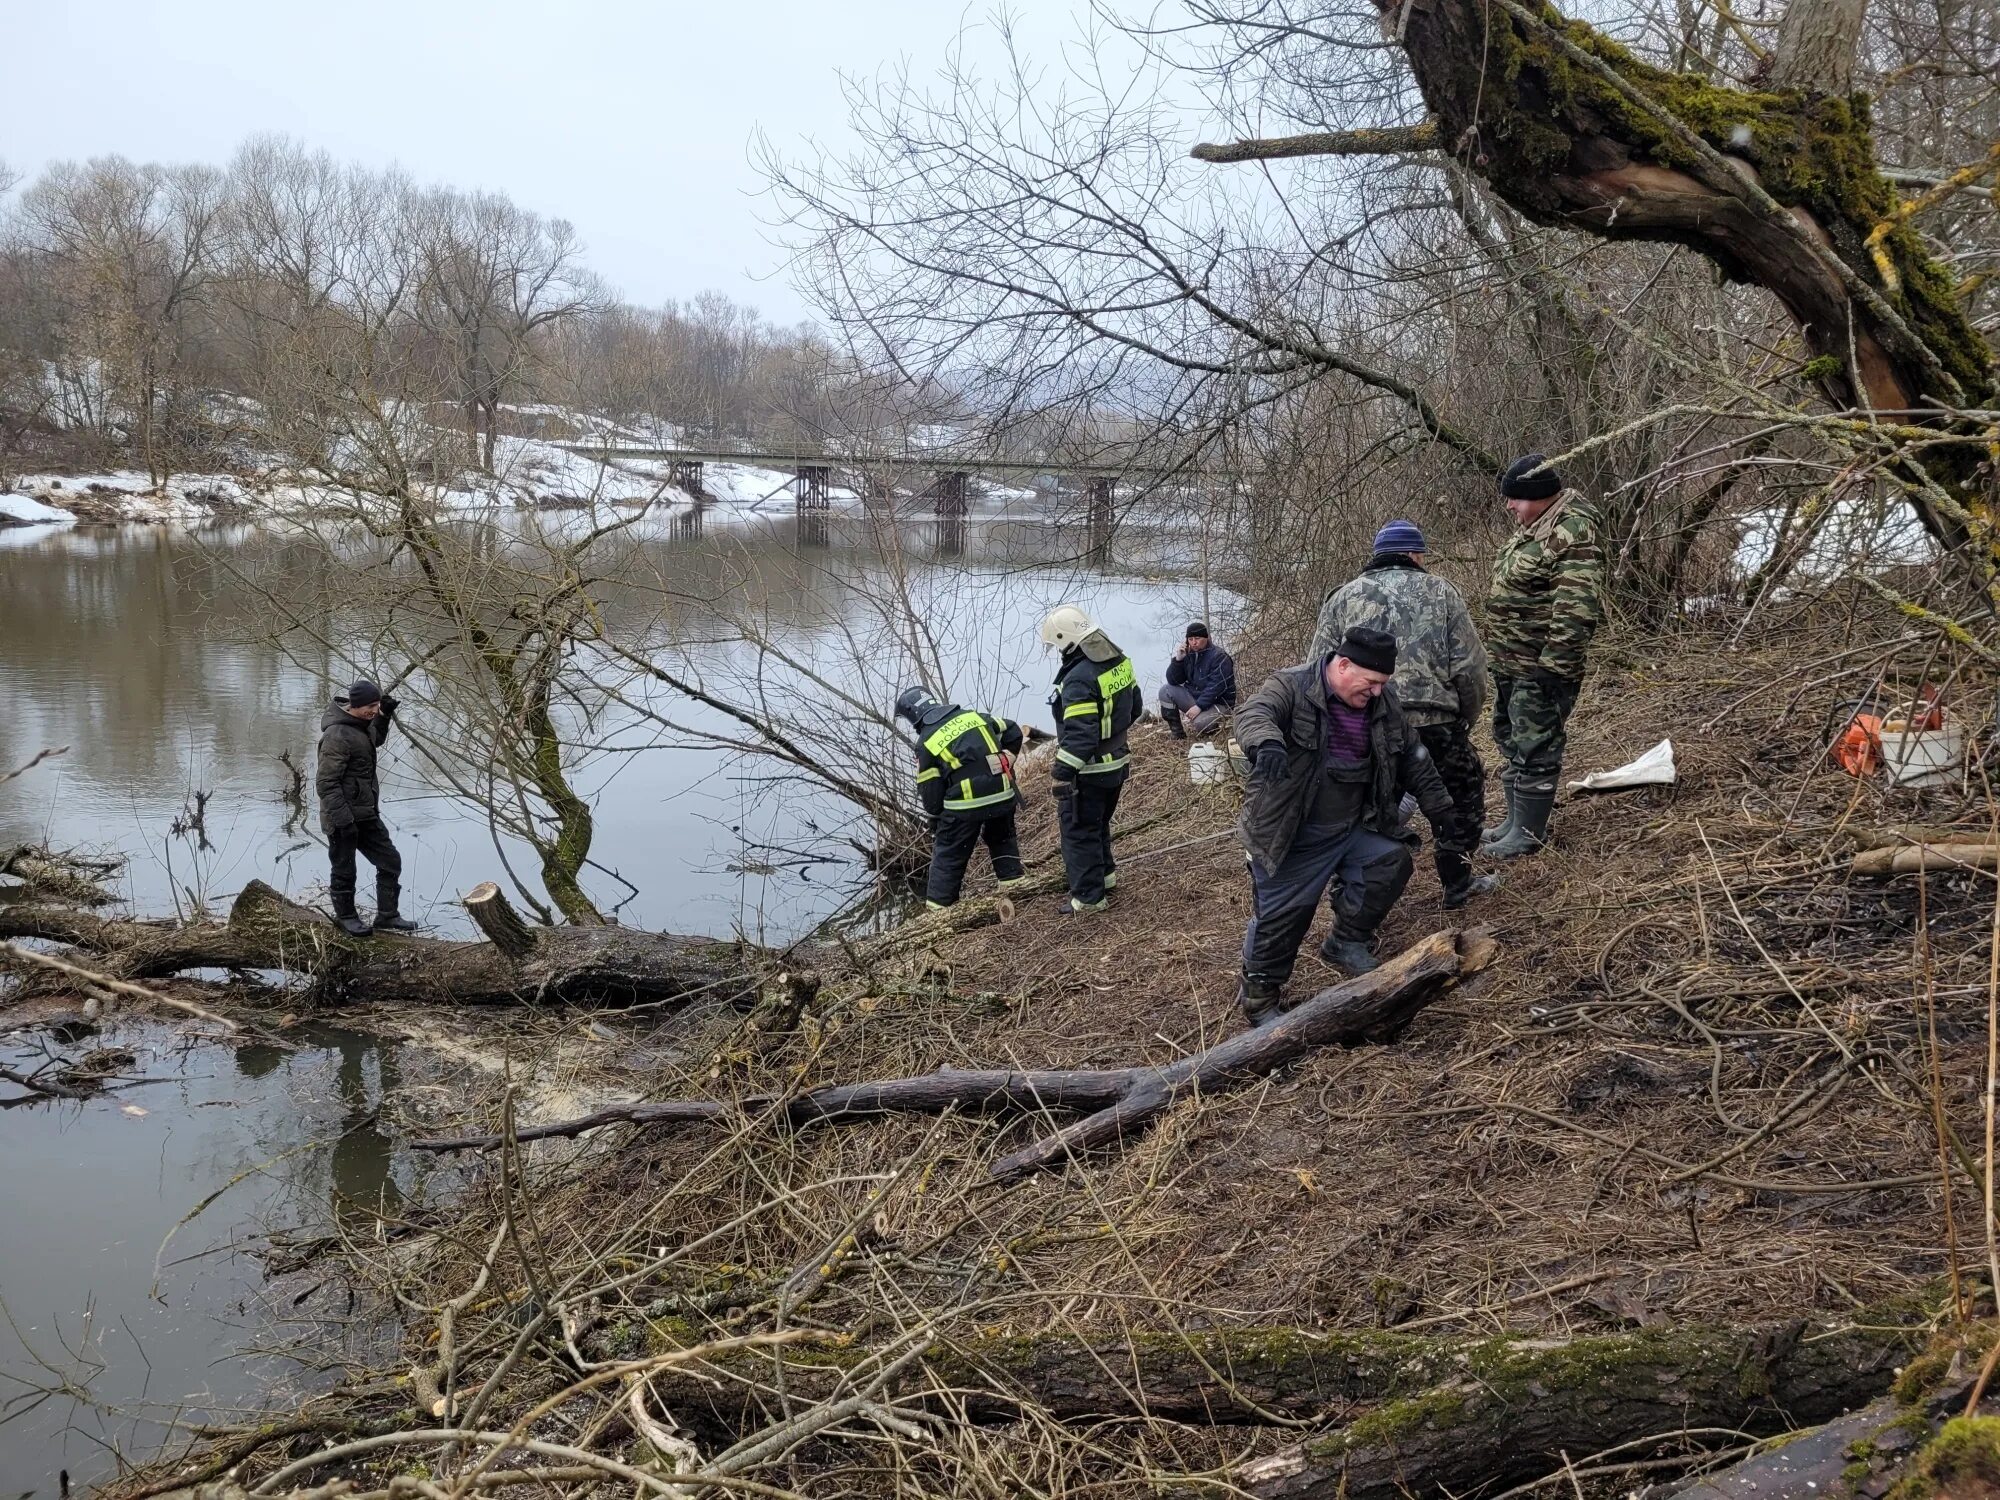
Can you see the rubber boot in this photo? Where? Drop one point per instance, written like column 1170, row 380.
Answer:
column 388, row 900
column 1260, row 998
column 1534, row 801
column 1478, row 885
column 1348, row 954
column 351, row 924
column 1500, row 830
column 1171, row 717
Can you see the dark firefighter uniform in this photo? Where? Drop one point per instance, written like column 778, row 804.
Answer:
column 965, row 775
column 1094, row 703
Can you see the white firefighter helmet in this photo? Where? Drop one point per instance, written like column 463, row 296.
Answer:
column 1066, row 626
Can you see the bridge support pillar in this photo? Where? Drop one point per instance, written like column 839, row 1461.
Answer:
column 953, row 492
column 1102, row 518
column 686, row 474
column 812, row 486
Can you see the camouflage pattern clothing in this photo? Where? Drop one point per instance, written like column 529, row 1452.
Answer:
column 1440, row 664
column 1547, row 595
column 1531, row 724
column 1459, row 768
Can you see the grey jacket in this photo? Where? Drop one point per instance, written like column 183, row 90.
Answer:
column 345, row 778
column 1440, row 663
column 1290, row 708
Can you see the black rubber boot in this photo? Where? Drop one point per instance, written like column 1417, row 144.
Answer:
column 1261, row 999
column 351, row 924
column 1347, row 954
column 1462, row 894
column 1502, row 829
column 388, row 906
column 1534, row 801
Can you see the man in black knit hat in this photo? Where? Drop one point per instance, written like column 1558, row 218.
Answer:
column 350, row 807
column 1333, row 758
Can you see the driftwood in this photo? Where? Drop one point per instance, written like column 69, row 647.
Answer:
column 1911, row 858
column 265, row 931
column 1116, row 1103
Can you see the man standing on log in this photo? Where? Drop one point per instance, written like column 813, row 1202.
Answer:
column 965, row 775
column 1440, row 679
column 350, row 807
column 1545, row 604
column 1096, row 700
column 1334, row 757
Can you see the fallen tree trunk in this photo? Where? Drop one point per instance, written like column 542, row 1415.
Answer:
column 265, row 930
column 1519, row 1410
column 1433, row 1413
column 1117, row 1103
column 1909, row 859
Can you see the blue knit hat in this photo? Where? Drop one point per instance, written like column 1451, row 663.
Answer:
column 1399, row 536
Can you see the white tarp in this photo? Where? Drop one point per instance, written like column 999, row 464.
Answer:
column 1654, row 768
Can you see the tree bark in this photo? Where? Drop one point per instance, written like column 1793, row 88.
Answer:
column 1778, row 189
column 495, row 916
column 265, row 930
column 1117, row 1103
column 1435, row 1414
column 1816, row 45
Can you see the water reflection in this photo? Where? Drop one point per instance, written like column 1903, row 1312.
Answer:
column 152, row 654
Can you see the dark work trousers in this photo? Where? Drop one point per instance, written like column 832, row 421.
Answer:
column 370, row 839
column 1367, row 872
column 1531, row 723
column 951, row 852
column 1084, row 817
column 1450, row 745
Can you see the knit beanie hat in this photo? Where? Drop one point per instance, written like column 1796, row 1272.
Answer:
column 1400, row 536
column 1518, row 484
column 362, row 693
column 1373, row 649
column 1196, row 629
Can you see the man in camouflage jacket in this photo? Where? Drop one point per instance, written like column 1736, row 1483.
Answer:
column 1440, row 679
column 1545, row 604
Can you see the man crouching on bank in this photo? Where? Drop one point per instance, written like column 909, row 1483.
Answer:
column 1333, row 758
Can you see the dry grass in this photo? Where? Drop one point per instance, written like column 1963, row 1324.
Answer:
column 1695, row 1088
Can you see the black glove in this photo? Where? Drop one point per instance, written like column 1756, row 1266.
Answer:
column 388, row 706
column 1270, row 762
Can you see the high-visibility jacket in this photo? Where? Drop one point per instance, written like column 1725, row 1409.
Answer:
column 1094, row 704
column 965, row 764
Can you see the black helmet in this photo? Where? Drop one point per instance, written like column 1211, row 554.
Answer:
column 913, row 703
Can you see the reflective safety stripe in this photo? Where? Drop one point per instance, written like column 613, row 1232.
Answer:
column 960, row 804
column 1079, row 710
column 1109, row 685
column 1095, row 763
column 931, row 775
column 957, row 728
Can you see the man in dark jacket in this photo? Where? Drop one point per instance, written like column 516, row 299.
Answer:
column 965, row 775
column 1440, row 678
column 1333, row 758
column 350, row 807
column 1201, row 682
column 1096, row 700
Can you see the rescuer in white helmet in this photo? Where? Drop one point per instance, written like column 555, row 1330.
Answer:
column 1096, row 698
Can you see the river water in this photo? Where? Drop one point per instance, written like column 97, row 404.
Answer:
column 149, row 654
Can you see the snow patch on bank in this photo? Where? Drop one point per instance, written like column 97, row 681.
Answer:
column 21, row 510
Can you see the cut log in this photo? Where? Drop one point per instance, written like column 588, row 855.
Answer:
column 1117, row 1103
column 495, row 916
column 1911, row 858
column 266, row 930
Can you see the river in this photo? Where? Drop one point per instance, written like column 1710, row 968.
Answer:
column 147, row 654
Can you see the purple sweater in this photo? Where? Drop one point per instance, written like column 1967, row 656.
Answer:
column 1346, row 731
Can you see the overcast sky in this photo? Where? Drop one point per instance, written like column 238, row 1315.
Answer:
column 630, row 119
